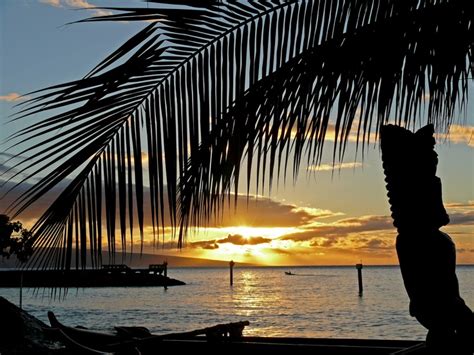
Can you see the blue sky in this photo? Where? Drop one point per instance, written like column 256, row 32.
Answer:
column 37, row 50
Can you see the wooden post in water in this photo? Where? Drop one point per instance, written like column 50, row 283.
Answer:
column 165, row 264
column 359, row 276
column 21, row 290
column 231, row 265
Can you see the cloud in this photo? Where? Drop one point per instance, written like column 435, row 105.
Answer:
column 461, row 213
column 81, row 4
column 8, row 169
column 317, row 213
column 365, row 232
column 76, row 4
column 254, row 212
column 377, row 244
column 367, row 243
column 204, row 244
column 235, row 239
column 365, row 223
column 55, row 3
column 282, row 251
column 267, row 212
column 330, row 134
column 370, row 237
column 324, row 242
column 457, row 205
column 462, row 217
column 342, row 228
column 333, row 167
column 371, row 247
column 352, row 137
column 13, row 97
column 240, row 240
column 460, row 135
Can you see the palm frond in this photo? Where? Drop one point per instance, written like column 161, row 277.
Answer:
column 387, row 69
column 208, row 83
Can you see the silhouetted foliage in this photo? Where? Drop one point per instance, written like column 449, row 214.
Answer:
column 15, row 240
column 206, row 87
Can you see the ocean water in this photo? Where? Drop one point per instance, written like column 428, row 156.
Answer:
column 316, row 302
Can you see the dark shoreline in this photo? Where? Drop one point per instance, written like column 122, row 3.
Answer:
column 84, row 278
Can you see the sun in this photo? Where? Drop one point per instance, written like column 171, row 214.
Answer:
column 255, row 245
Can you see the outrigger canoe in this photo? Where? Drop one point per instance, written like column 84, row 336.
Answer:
column 221, row 338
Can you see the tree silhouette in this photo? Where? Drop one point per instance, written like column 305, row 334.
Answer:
column 207, row 87
column 15, row 240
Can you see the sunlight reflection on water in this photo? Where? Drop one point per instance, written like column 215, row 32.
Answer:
column 316, row 302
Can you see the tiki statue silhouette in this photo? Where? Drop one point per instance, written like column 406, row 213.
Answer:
column 427, row 256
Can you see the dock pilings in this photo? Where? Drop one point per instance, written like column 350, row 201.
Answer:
column 359, row 277
column 231, row 268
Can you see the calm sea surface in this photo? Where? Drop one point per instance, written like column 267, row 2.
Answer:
column 316, row 302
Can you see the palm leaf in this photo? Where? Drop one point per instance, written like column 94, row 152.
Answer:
column 384, row 67
column 206, row 84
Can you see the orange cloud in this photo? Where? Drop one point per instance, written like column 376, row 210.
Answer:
column 352, row 137
column 258, row 212
column 460, row 135
column 345, row 241
column 235, row 239
column 306, row 235
column 330, row 133
column 341, row 228
column 77, row 4
column 13, row 97
column 240, row 240
column 334, row 167
column 461, row 213
column 460, row 205
column 204, row 244
column 266, row 212
column 347, row 251
column 55, row 3
column 317, row 212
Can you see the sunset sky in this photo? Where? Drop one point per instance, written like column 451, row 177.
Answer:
column 328, row 216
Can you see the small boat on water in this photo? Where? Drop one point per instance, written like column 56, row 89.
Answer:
column 289, row 273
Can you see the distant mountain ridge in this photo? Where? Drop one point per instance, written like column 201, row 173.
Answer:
column 142, row 261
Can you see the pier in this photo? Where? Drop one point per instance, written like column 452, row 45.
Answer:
column 108, row 276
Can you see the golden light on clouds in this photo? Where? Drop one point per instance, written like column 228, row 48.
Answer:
column 77, row 4
column 318, row 241
column 317, row 212
column 334, row 167
column 13, row 97
column 330, row 133
column 55, row 3
column 270, row 232
column 460, row 135
column 266, row 232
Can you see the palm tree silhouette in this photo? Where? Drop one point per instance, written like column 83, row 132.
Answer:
column 207, row 87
